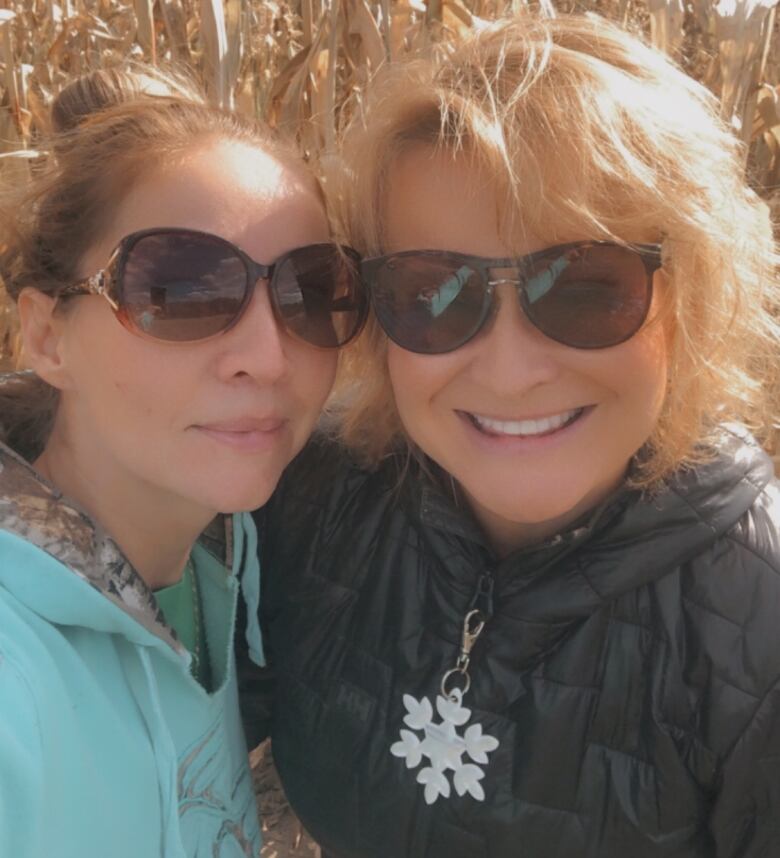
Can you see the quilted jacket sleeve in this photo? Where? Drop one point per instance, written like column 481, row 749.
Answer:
column 320, row 469
column 745, row 822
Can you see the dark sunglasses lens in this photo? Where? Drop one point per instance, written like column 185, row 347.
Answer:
column 589, row 298
column 319, row 296
column 182, row 286
column 428, row 305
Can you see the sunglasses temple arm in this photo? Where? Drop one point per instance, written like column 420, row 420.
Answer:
column 95, row 285
column 98, row 285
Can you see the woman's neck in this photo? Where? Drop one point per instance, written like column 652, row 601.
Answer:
column 507, row 536
column 154, row 529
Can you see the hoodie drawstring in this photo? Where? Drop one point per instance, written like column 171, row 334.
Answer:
column 147, row 697
column 250, row 585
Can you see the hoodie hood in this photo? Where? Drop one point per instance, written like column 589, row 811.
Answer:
column 101, row 690
column 33, row 510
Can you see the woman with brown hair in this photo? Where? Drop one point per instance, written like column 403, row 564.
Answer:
column 181, row 304
column 537, row 611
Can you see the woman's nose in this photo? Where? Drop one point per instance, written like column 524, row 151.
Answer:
column 510, row 354
column 257, row 345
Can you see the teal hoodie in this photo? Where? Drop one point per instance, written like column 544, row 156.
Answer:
column 108, row 746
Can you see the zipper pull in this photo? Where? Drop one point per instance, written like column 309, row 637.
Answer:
column 482, row 600
column 473, row 623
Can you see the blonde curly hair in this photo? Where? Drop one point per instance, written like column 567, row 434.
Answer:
column 585, row 127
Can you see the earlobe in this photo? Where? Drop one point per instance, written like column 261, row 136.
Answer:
column 41, row 329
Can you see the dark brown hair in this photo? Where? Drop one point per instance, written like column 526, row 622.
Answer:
column 109, row 128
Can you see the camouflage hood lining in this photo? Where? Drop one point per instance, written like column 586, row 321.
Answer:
column 34, row 510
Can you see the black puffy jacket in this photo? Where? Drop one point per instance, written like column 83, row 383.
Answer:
column 629, row 669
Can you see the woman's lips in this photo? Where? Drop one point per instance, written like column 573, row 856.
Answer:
column 525, row 433
column 525, row 428
column 247, row 435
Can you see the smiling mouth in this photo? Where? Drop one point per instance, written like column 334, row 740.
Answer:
column 525, row 428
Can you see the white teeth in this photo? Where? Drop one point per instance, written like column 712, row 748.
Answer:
column 525, row 427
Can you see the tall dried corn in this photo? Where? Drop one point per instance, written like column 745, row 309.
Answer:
column 297, row 62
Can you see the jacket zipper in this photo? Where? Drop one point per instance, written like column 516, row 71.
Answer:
column 482, row 598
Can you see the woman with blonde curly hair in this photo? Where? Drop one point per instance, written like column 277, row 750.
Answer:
column 537, row 611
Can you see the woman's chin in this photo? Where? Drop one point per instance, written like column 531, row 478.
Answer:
column 229, row 499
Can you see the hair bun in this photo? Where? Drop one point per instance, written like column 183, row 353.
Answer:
column 105, row 88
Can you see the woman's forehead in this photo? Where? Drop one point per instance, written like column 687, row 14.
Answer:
column 434, row 197
column 236, row 191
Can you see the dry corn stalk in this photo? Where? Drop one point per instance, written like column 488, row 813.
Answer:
column 667, row 18
column 301, row 63
column 742, row 29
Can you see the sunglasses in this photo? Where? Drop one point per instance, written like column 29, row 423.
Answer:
column 180, row 285
column 587, row 294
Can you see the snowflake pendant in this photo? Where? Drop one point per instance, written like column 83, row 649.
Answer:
column 444, row 746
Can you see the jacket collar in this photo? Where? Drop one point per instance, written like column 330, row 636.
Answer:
column 440, row 505
column 632, row 539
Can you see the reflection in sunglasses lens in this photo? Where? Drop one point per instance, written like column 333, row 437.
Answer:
column 429, row 305
column 318, row 295
column 595, row 297
column 181, row 287
column 588, row 296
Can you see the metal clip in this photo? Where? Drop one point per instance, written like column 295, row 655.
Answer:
column 473, row 624
column 472, row 628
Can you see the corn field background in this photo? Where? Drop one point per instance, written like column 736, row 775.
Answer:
column 303, row 65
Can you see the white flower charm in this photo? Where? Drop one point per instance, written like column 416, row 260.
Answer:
column 478, row 743
column 436, row 784
column 467, row 780
column 444, row 746
column 419, row 712
column 452, row 710
column 409, row 747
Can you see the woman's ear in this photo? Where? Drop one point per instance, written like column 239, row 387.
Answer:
column 42, row 329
